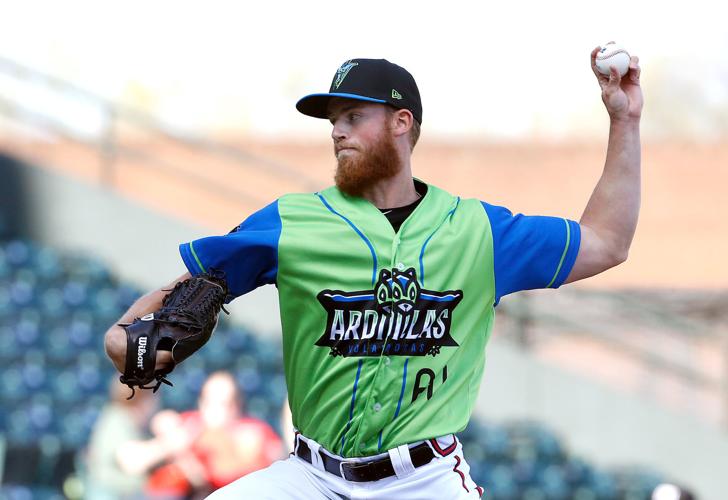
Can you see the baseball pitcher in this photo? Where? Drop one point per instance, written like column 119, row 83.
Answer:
column 388, row 287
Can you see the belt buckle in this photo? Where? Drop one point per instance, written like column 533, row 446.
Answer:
column 347, row 469
column 341, row 469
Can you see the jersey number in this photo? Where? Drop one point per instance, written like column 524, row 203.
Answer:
column 419, row 388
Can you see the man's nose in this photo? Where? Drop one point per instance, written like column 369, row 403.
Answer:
column 338, row 131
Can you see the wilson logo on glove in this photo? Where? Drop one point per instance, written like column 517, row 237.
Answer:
column 141, row 350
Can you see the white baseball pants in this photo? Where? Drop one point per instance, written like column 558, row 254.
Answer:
column 446, row 476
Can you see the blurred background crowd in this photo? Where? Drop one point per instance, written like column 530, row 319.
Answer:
column 188, row 455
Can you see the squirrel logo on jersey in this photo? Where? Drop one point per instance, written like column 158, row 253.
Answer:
column 400, row 291
column 397, row 318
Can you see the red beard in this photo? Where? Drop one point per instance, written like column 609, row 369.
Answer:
column 357, row 173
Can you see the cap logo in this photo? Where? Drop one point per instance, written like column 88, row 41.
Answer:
column 396, row 95
column 342, row 72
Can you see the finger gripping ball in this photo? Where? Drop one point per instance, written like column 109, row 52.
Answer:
column 612, row 54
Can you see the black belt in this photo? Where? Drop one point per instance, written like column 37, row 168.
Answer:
column 372, row 470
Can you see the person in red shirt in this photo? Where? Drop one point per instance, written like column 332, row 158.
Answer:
column 224, row 444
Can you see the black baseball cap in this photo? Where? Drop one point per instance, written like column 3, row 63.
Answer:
column 372, row 80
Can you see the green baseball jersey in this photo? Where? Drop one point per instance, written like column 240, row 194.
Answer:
column 384, row 332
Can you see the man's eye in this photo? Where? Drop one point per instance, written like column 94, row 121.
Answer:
column 354, row 117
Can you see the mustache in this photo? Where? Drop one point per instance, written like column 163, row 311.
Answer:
column 339, row 147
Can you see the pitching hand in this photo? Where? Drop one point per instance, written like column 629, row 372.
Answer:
column 621, row 95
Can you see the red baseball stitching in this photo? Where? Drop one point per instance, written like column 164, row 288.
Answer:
column 620, row 51
column 462, row 476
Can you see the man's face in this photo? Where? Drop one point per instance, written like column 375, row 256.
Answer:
column 363, row 145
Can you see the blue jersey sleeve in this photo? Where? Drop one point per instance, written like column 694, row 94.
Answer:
column 248, row 255
column 531, row 251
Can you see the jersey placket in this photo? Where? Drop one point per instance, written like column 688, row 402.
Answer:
column 382, row 391
column 377, row 393
column 382, row 404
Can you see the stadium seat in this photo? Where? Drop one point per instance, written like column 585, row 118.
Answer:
column 192, row 376
column 576, row 471
column 42, row 414
column 524, row 472
column 51, row 304
column 239, row 340
column 270, row 355
column 18, row 253
column 548, row 446
column 179, row 399
column 106, row 301
column 32, row 367
column 48, row 266
column 83, row 268
column 27, row 328
column 497, row 444
column 5, row 266
column 89, row 379
column 58, row 346
column 6, row 306
column 74, row 429
column 248, row 378
column 64, row 384
column 553, row 483
column 16, row 492
column 12, row 389
column 216, row 353
column 261, row 407
column 75, row 293
column 603, row 485
column 22, row 291
column 501, row 485
column 19, row 430
column 584, row 493
column 11, row 349
column 126, row 295
column 23, row 492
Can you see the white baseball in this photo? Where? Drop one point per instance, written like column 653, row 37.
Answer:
column 612, row 54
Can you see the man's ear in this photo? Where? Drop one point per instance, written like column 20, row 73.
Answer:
column 402, row 120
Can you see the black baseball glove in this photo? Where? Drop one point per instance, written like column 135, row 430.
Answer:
column 183, row 325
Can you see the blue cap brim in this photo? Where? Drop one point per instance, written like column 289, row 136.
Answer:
column 317, row 105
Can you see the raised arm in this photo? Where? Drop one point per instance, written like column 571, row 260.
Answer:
column 610, row 217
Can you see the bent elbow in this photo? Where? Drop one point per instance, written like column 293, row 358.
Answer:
column 619, row 256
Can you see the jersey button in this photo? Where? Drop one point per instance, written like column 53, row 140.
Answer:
column 400, row 266
column 377, row 407
column 387, row 361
